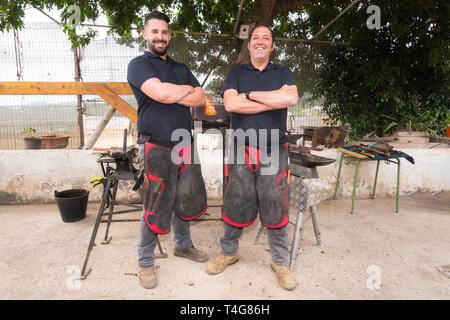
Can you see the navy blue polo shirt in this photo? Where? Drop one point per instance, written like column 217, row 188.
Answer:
column 246, row 77
column 157, row 119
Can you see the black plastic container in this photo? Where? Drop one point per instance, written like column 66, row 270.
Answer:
column 72, row 204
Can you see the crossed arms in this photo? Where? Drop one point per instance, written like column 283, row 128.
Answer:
column 169, row 93
column 262, row 100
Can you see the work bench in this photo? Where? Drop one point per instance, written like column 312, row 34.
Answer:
column 358, row 157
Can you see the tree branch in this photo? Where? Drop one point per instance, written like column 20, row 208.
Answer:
column 288, row 5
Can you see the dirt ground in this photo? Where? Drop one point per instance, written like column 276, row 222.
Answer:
column 372, row 254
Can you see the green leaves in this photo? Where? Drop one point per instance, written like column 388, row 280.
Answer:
column 396, row 77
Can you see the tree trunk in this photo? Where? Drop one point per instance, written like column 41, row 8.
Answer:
column 265, row 12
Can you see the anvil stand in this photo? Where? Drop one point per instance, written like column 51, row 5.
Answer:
column 124, row 171
column 302, row 165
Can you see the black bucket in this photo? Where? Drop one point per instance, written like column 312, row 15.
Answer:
column 72, row 204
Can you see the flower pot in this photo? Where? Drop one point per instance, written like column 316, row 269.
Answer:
column 32, row 143
column 405, row 136
column 56, row 141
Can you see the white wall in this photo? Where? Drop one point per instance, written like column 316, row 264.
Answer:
column 32, row 175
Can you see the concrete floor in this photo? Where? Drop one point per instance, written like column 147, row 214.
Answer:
column 373, row 254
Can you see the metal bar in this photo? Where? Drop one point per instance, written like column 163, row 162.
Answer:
column 376, row 178
column 163, row 254
column 337, row 17
column 94, row 232
column 354, row 185
column 213, row 66
column 76, row 57
column 398, row 184
column 338, row 175
column 259, row 230
column 48, row 16
column 238, row 17
column 17, row 55
column 315, row 223
column 125, row 211
column 137, row 205
column 296, row 240
column 111, row 210
column 121, row 220
column 225, row 35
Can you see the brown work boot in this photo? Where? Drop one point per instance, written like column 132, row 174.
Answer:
column 147, row 277
column 219, row 264
column 285, row 276
column 191, row 253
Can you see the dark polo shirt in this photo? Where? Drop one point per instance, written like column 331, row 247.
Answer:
column 157, row 119
column 246, row 77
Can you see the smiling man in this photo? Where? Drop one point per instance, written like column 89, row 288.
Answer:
column 257, row 94
column 174, row 193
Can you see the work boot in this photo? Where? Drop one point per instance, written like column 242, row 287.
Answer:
column 219, row 264
column 191, row 253
column 285, row 276
column 147, row 277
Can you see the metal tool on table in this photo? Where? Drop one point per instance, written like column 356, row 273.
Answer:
column 377, row 151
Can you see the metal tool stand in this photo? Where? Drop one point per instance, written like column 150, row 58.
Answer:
column 298, row 195
column 124, row 171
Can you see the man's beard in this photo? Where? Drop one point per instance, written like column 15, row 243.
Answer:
column 156, row 51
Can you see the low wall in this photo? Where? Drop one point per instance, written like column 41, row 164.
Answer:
column 32, row 176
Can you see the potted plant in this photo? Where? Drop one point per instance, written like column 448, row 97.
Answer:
column 30, row 140
column 409, row 130
column 54, row 141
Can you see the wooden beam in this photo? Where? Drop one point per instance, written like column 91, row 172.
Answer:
column 60, row 88
column 109, row 91
column 113, row 99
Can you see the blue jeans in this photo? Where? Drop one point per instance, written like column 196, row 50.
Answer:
column 278, row 243
column 147, row 241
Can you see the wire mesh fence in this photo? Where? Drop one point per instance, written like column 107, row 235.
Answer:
column 42, row 52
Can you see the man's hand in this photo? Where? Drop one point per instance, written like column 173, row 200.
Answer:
column 282, row 98
column 262, row 100
column 165, row 92
column 196, row 98
column 238, row 103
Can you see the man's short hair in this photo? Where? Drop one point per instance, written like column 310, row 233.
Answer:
column 261, row 25
column 156, row 15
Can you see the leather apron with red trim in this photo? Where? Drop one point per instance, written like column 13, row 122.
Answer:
column 171, row 187
column 248, row 191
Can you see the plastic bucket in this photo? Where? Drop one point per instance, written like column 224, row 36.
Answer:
column 72, row 204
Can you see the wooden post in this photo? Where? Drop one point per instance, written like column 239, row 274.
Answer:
column 99, row 129
column 76, row 56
